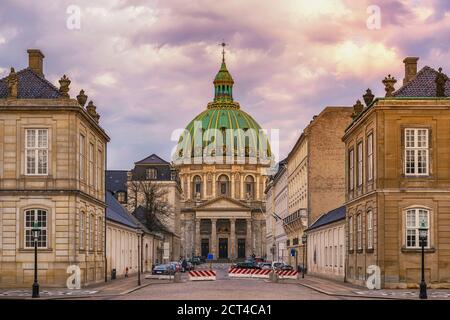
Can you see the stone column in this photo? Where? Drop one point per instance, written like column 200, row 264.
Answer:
column 248, row 239
column 214, row 182
column 242, row 195
column 189, row 194
column 213, row 247
column 256, row 192
column 233, row 238
column 197, row 237
column 204, row 186
column 233, row 195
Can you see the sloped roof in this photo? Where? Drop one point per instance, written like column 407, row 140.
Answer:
column 329, row 217
column 152, row 159
column 116, row 180
column 422, row 85
column 117, row 213
column 30, row 86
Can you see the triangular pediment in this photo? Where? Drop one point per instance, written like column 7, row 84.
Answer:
column 223, row 203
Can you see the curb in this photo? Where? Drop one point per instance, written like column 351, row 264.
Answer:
column 79, row 296
column 352, row 295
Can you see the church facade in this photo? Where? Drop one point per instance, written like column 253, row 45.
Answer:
column 222, row 159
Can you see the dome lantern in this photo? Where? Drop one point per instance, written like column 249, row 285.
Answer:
column 223, row 82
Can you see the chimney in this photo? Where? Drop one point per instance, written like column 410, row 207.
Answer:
column 35, row 61
column 410, row 68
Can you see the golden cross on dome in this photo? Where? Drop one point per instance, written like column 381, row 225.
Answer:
column 223, row 44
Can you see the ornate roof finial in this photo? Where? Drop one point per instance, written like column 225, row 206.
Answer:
column 64, row 83
column 12, row 82
column 357, row 109
column 82, row 98
column 368, row 97
column 441, row 79
column 389, row 83
column 223, row 44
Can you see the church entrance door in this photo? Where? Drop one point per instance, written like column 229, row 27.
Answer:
column 241, row 248
column 205, row 247
column 223, row 248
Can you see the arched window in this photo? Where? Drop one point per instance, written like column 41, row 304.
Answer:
column 249, row 187
column 36, row 218
column 416, row 218
column 197, row 187
column 223, row 185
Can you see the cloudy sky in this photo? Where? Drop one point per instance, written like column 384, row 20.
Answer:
column 149, row 65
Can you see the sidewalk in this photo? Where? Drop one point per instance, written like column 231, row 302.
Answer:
column 336, row 288
column 115, row 287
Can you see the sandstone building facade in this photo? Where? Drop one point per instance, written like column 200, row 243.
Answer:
column 52, row 162
column 397, row 177
column 315, row 176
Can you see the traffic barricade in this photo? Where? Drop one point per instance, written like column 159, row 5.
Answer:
column 197, row 275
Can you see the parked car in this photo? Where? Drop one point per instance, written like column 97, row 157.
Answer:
column 265, row 265
column 277, row 265
column 195, row 261
column 248, row 264
column 287, row 267
column 189, row 266
column 176, row 265
column 164, row 269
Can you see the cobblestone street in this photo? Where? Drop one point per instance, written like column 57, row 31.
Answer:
column 224, row 288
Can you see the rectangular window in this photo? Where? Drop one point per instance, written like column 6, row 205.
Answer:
column 335, row 256
column 151, row 174
column 360, row 164
column 370, row 157
column 99, row 234
column 91, row 232
column 350, row 233
column 359, row 230
column 36, row 151
column 341, row 258
column 38, row 217
column 82, row 231
column 99, row 171
column 121, row 197
column 351, row 168
column 370, row 229
column 414, row 219
column 416, row 152
column 82, row 157
column 91, row 164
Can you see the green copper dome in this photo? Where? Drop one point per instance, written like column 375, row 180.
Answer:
column 223, row 128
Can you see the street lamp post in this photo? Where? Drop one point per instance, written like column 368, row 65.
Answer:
column 304, row 239
column 139, row 233
column 423, row 237
column 35, row 230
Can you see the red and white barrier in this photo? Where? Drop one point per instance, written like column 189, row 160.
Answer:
column 248, row 273
column 202, row 275
column 287, row 274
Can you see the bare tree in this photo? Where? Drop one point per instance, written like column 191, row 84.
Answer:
column 152, row 197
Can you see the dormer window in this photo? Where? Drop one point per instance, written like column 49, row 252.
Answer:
column 121, row 197
column 151, row 174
